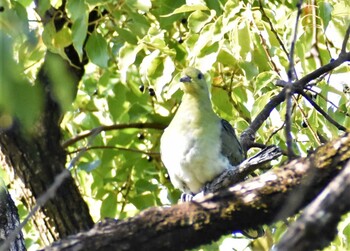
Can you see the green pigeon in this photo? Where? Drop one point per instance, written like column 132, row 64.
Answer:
column 198, row 145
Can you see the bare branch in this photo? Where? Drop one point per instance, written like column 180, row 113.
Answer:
column 291, row 71
column 272, row 28
column 248, row 136
column 112, row 127
column 115, row 148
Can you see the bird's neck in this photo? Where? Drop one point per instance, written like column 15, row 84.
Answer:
column 202, row 103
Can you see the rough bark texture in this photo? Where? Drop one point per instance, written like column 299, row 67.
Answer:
column 9, row 220
column 317, row 225
column 265, row 199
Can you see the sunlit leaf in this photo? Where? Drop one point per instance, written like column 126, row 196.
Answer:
column 325, row 9
column 187, row 8
column 109, row 206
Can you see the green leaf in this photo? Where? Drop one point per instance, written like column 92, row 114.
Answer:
column 143, row 201
column 126, row 35
column 143, row 185
column 208, row 56
column 97, row 50
column 263, row 80
column 109, row 206
column 79, row 31
column 244, row 39
column 64, row 84
column 62, row 38
column 187, row 8
column 250, row 69
column 127, row 56
column 76, row 9
column 325, row 12
column 142, row 5
column 117, row 104
column 226, row 57
column 221, row 100
column 18, row 97
column 198, row 19
column 259, row 103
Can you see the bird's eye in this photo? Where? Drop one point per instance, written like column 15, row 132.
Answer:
column 200, row 76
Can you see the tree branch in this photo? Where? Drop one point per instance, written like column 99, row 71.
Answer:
column 260, row 200
column 112, row 127
column 317, row 225
column 248, row 136
column 292, row 75
column 239, row 173
column 319, row 109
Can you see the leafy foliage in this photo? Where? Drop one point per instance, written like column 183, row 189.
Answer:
column 136, row 55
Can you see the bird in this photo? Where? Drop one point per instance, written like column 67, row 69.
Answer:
column 197, row 145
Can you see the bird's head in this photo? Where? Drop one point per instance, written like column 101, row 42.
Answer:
column 193, row 82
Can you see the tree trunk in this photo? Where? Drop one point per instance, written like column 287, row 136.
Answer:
column 38, row 158
column 9, row 220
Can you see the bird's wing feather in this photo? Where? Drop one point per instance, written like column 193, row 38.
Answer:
column 230, row 146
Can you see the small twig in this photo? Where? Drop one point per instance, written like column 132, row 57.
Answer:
column 275, row 132
column 264, row 44
column 319, row 109
column 272, row 28
column 330, row 102
column 291, row 71
column 112, row 127
column 307, row 123
column 113, row 148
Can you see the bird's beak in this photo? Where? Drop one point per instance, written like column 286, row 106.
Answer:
column 185, row 79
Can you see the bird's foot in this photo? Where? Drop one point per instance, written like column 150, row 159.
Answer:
column 185, row 197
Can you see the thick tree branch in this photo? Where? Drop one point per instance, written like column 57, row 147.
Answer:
column 317, row 225
column 261, row 200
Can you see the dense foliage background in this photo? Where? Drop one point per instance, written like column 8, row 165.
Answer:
column 135, row 57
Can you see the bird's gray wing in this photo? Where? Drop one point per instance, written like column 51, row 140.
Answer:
column 232, row 149
column 230, row 146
